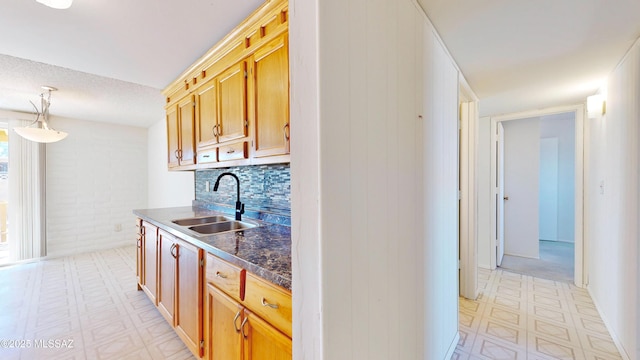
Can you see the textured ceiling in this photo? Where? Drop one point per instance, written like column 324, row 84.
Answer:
column 80, row 95
column 110, row 58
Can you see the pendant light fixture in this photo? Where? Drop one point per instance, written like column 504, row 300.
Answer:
column 57, row 4
column 39, row 130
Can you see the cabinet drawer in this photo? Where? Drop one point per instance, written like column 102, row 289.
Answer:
column 207, row 156
column 236, row 151
column 225, row 276
column 270, row 302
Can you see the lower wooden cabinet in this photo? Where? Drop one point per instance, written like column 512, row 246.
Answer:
column 166, row 278
column 223, row 326
column 246, row 317
column 234, row 332
column 178, row 267
column 188, row 319
column 263, row 341
column 149, row 256
column 227, row 314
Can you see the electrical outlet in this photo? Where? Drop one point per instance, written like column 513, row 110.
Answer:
column 207, row 186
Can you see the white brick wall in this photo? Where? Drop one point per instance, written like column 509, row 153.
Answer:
column 95, row 178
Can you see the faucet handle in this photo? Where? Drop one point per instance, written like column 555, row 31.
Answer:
column 239, row 210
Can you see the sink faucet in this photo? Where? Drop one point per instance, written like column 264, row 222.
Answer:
column 239, row 205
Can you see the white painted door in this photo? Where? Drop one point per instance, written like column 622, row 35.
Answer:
column 521, row 175
column 500, row 194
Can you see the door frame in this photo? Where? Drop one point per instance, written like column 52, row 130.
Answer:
column 468, row 123
column 580, row 249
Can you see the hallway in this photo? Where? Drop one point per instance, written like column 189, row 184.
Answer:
column 556, row 262
column 523, row 317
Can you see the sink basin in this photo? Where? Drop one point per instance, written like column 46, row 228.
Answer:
column 219, row 227
column 201, row 220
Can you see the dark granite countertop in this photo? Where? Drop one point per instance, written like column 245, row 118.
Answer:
column 264, row 250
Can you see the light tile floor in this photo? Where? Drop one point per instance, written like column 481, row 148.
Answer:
column 522, row 317
column 93, row 300
column 89, row 299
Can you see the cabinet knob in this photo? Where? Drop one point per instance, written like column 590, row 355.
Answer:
column 220, row 275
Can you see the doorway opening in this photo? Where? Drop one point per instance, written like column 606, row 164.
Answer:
column 537, row 175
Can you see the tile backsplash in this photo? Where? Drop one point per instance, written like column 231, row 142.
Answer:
column 262, row 188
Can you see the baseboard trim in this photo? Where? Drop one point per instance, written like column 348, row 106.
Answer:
column 453, row 346
column 613, row 334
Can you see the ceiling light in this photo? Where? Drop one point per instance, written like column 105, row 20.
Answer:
column 39, row 130
column 57, row 4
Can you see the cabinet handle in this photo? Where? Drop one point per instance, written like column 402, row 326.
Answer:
column 180, row 154
column 242, row 327
column 286, row 130
column 176, row 154
column 231, row 151
column 265, row 303
column 174, row 247
column 220, row 275
column 139, row 243
column 234, row 321
column 215, row 130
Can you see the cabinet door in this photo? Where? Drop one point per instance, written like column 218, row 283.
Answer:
column 207, row 114
column 189, row 275
column 271, row 103
column 186, row 127
column 224, row 317
column 150, row 245
column 263, row 341
column 232, row 86
column 139, row 253
column 173, row 158
column 166, row 275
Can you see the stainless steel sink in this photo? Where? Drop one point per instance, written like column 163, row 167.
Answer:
column 202, row 220
column 219, row 227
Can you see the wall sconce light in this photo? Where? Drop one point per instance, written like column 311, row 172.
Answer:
column 596, row 106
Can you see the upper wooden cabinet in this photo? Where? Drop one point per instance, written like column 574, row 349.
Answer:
column 207, row 114
column 270, row 75
column 181, row 133
column 231, row 107
column 233, row 122
column 221, row 107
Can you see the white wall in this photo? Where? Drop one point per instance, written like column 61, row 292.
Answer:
column 521, row 164
column 548, row 189
column 374, row 182
column 613, row 205
column 95, row 177
column 562, row 127
column 165, row 188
